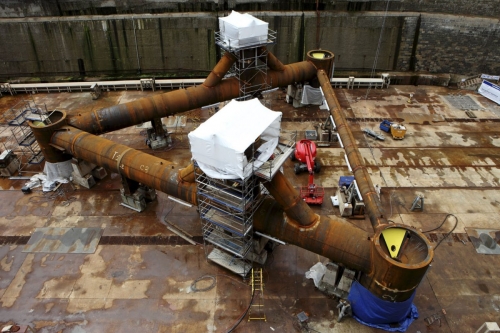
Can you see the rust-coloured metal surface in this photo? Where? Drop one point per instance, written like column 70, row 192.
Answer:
column 42, row 135
column 335, row 239
column 326, row 63
column 173, row 102
column 274, row 63
column 63, row 293
column 142, row 167
column 217, row 74
column 372, row 202
column 387, row 278
column 397, row 280
column 289, row 199
column 187, row 174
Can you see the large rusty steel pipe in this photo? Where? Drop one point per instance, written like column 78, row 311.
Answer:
column 373, row 206
column 43, row 134
column 336, row 239
column 397, row 280
column 173, row 102
column 187, row 174
column 272, row 62
column 344, row 243
column 222, row 67
column 387, row 278
column 133, row 164
column 289, row 199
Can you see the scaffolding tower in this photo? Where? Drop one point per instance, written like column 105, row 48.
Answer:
column 251, row 60
column 226, row 208
column 20, row 148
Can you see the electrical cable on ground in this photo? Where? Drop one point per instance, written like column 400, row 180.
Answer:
column 204, row 277
column 48, row 196
column 449, row 233
column 242, row 315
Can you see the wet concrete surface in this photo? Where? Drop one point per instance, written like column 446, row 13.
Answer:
column 139, row 278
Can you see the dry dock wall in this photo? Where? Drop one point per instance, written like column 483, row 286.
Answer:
column 29, row 8
column 182, row 44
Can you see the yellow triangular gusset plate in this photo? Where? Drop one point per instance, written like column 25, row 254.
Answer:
column 394, row 238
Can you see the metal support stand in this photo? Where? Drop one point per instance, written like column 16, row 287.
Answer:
column 82, row 173
column 345, row 309
column 135, row 195
column 158, row 136
column 9, row 163
column 95, row 91
column 418, row 203
column 148, row 84
column 327, row 133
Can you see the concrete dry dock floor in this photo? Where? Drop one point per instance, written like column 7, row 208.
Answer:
column 139, row 278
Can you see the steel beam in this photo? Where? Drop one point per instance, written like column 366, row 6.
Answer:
column 144, row 168
column 170, row 103
column 373, row 207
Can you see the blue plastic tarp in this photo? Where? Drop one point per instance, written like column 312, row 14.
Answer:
column 372, row 311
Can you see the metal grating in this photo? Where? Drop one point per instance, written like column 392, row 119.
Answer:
column 64, row 240
column 462, row 102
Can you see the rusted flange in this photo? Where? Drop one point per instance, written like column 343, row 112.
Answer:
column 322, row 59
column 43, row 132
column 395, row 279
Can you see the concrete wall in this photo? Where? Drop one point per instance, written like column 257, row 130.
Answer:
column 354, row 38
column 107, row 45
column 182, row 44
column 451, row 44
column 408, row 42
column 27, row 8
column 489, row 8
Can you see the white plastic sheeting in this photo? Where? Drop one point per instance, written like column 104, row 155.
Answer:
column 238, row 30
column 316, row 273
column 490, row 91
column 312, row 95
column 218, row 145
column 56, row 171
column 41, row 179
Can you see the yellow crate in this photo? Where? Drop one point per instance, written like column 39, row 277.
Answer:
column 398, row 131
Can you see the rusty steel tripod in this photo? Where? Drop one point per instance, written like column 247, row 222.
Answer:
column 286, row 216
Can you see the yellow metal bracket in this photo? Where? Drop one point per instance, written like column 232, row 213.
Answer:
column 394, row 238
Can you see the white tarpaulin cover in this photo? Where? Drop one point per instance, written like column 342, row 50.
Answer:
column 218, row 145
column 316, row 273
column 239, row 30
column 56, row 171
column 312, row 95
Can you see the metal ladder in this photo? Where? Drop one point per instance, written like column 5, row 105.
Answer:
column 256, row 311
